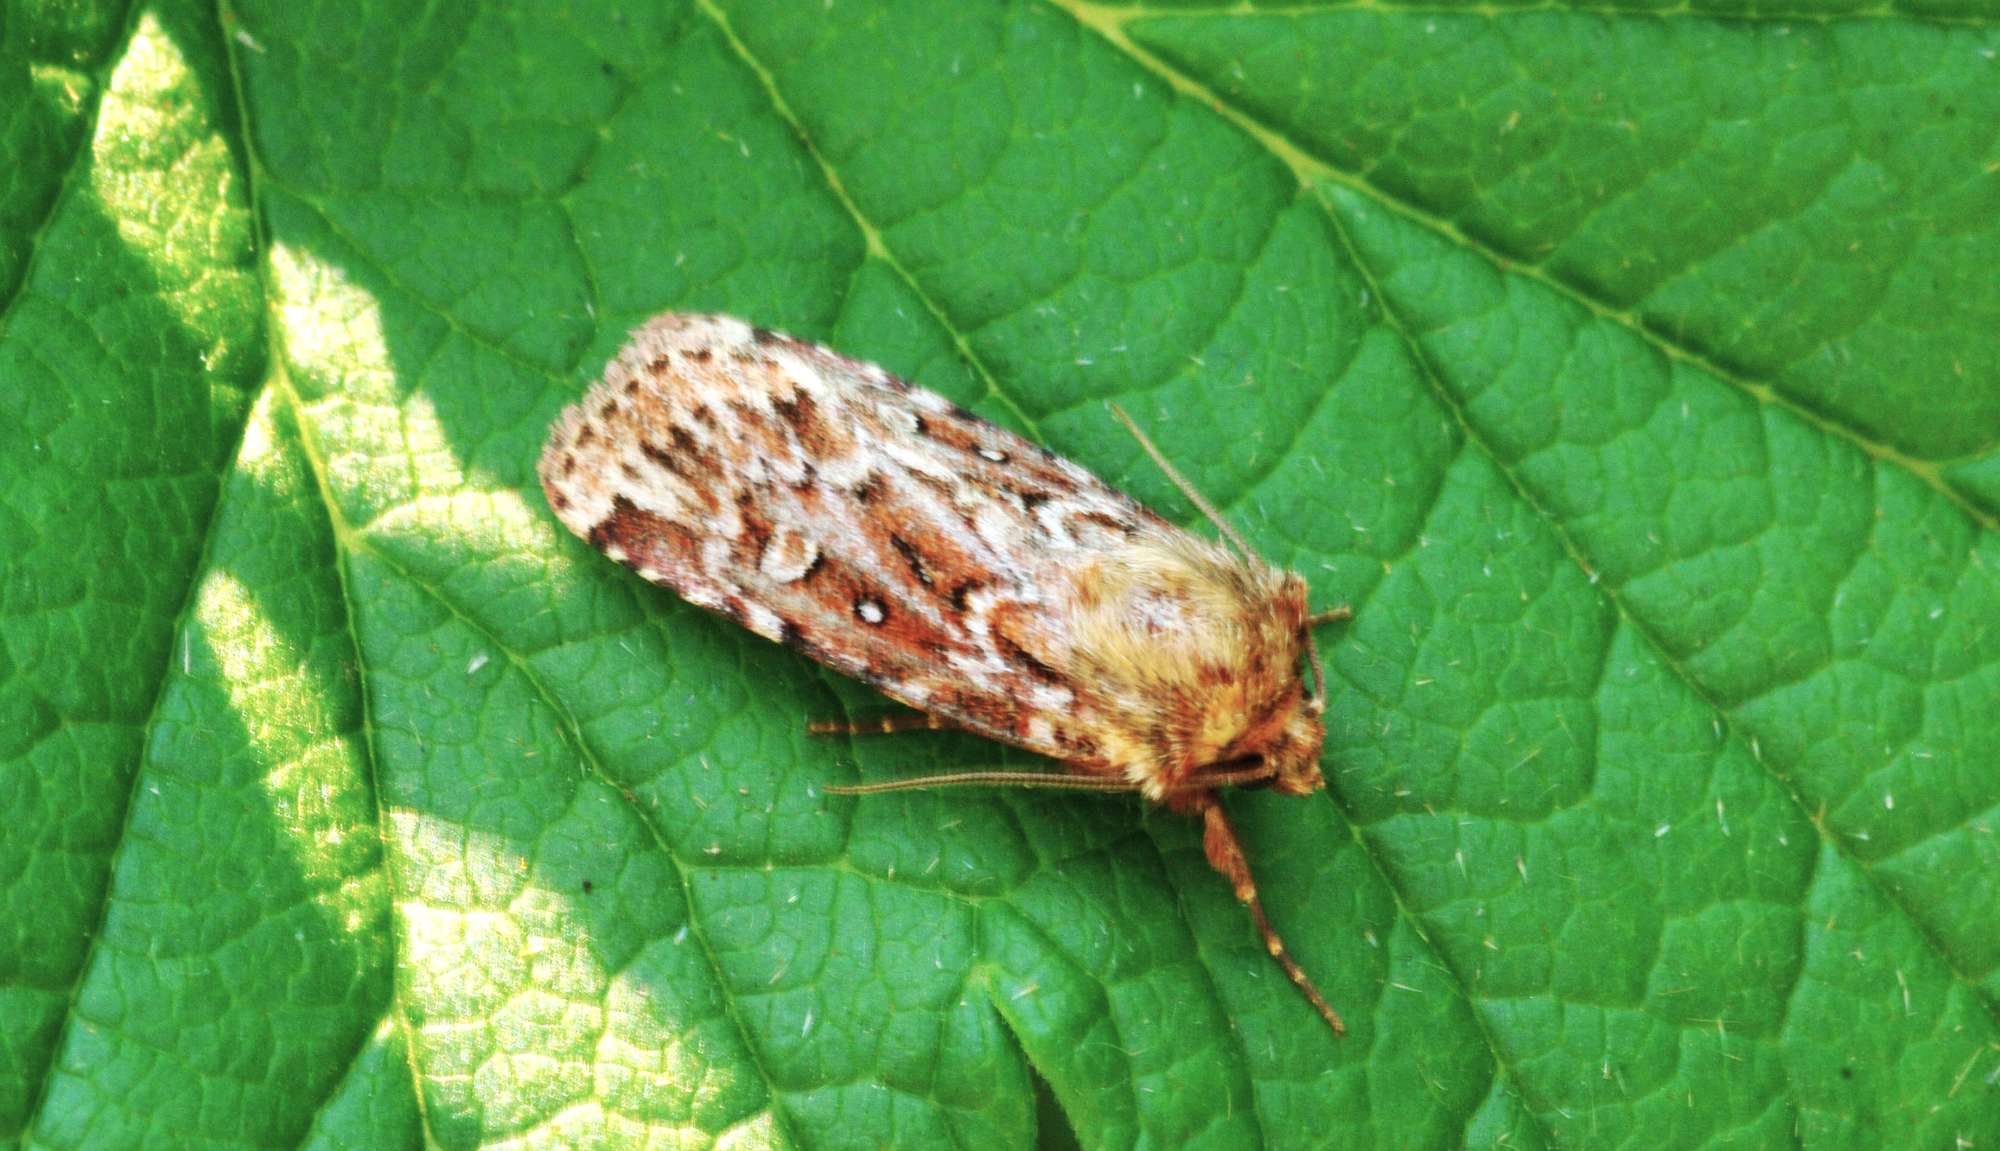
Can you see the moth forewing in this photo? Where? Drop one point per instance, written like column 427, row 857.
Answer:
column 953, row 565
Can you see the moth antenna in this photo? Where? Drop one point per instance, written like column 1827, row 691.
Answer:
column 1055, row 780
column 1225, row 854
column 1187, row 489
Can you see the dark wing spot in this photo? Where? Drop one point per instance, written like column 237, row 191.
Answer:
column 685, row 443
column 701, row 355
column 647, row 540
column 757, row 529
column 913, row 557
column 1074, row 746
column 1102, row 521
column 965, row 432
column 1022, row 656
column 800, row 412
column 868, row 490
column 946, row 489
column 665, row 459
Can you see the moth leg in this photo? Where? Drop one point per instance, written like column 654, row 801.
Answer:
column 1330, row 615
column 883, row 725
column 1225, row 854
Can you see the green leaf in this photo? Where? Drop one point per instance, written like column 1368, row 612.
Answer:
column 1630, row 369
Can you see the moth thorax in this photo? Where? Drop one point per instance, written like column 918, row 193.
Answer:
column 1197, row 651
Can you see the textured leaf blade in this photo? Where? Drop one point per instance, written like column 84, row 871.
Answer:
column 1613, row 365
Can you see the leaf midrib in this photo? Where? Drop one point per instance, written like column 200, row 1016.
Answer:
column 1633, row 11
column 879, row 246
column 1305, row 166
column 1311, row 168
column 879, row 249
column 1108, row 22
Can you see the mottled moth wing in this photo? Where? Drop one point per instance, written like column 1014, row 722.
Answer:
column 887, row 533
column 825, row 504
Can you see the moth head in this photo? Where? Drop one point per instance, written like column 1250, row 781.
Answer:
column 1298, row 768
column 1291, row 738
column 1286, row 739
column 1295, row 762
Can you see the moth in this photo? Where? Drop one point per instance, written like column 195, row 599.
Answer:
column 976, row 577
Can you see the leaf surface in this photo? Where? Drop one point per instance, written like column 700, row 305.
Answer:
column 1630, row 369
